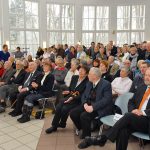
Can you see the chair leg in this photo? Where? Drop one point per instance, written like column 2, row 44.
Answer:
column 101, row 129
column 54, row 105
column 141, row 143
column 43, row 108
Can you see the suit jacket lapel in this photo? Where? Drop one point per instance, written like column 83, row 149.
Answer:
column 143, row 89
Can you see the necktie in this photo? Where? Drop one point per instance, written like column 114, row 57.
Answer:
column 28, row 80
column 146, row 94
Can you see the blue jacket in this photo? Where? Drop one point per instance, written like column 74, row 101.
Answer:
column 4, row 56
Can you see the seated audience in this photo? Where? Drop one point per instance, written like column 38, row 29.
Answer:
column 80, row 53
column 136, row 120
column 18, row 53
column 113, row 67
column 1, row 68
column 126, row 64
column 101, row 55
column 73, row 71
column 43, row 91
column 72, row 99
column 96, row 63
column 96, row 101
column 137, row 71
column 8, row 73
column 31, row 83
column 122, row 84
column 133, row 57
column 139, row 80
column 104, row 70
column 13, row 84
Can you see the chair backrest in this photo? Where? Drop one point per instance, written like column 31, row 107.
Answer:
column 122, row 102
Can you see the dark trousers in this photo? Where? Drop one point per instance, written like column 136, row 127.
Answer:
column 82, row 119
column 123, row 128
column 20, row 101
column 62, row 113
column 31, row 98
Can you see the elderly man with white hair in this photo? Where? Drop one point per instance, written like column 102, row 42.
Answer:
column 96, row 101
column 31, row 82
column 13, row 84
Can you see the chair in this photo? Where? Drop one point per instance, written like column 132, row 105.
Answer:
column 46, row 100
column 122, row 103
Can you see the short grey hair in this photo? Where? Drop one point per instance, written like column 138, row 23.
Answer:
column 126, row 69
column 75, row 61
column 96, row 71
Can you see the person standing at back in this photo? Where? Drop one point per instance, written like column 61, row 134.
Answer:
column 4, row 54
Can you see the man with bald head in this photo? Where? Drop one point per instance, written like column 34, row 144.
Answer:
column 33, row 76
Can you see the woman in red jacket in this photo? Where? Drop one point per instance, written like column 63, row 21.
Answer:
column 1, row 68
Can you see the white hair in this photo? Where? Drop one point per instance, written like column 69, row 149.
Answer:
column 96, row 71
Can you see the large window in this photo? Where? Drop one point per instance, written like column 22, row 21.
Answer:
column 130, row 24
column 0, row 41
column 60, row 24
column 95, row 25
column 24, row 25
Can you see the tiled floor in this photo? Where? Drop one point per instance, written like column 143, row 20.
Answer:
column 28, row 136
column 16, row 136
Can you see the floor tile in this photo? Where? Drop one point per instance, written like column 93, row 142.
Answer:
column 17, row 133
column 24, row 147
column 11, row 145
column 9, row 129
column 5, row 138
column 26, row 138
column 31, row 129
column 33, row 144
column 37, row 133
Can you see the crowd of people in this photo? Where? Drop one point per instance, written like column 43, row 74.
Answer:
column 85, row 82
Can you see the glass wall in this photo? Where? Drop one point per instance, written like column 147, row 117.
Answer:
column 24, row 25
column 130, row 24
column 95, row 25
column 60, row 24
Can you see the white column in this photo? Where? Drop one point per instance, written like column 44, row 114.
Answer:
column 43, row 22
column 5, row 20
column 78, row 23
column 113, row 23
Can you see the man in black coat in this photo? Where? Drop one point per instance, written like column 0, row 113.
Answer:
column 27, row 87
column 137, row 120
column 43, row 91
column 96, row 101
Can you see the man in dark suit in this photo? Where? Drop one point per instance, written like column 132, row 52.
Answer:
column 73, row 99
column 96, row 101
column 43, row 91
column 28, row 86
column 137, row 120
column 13, row 83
